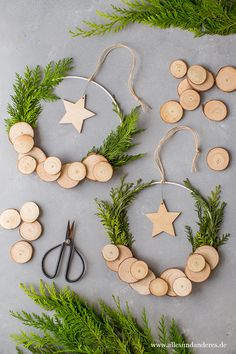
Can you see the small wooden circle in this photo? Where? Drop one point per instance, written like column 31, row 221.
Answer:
column 30, row 231
column 124, row 252
column 218, row 159
column 52, row 165
column 36, row 153
column 226, row 79
column 139, row 270
column 90, row 161
column 64, row 180
column 27, row 165
column 21, row 252
column 189, row 100
column 44, row 175
column 183, row 86
column 197, row 74
column 207, row 85
column 196, row 263
column 199, row 276
column 18, row 129
column 215, row 110
column 170, row 275
column 103, row 171
column 110, row 252
column 23, row 144
column 124, row 270
column 210, row 254
column 10, row 219
column 182, row 286
column 143, row 286
column 77, row 171
column 171, row 112
column 178, row 68
column 158, row 287
column 29, row 212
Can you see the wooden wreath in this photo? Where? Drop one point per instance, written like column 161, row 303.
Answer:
column 120, row 257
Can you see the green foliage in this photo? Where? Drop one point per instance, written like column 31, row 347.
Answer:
column 35, row 86
column 198, row 16
column 119, row 141
column 113, row 214
column 74, row 326
column 210, row 218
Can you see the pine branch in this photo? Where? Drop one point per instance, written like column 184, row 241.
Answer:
column 179, row 340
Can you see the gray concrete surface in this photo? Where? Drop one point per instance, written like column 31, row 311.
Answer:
column 35, row 32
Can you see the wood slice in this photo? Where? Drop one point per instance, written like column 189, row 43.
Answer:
column 30, row 231
column 170, row 275
column 215, row 110
column 199, row 276
column 182, row 286
column 103, row 171
column 124, row 252
column 77, row 171
column 218, row 159
column 10, row 219
column 44, row 175
column 64, row 180
column 19, row 129
column 36, row 153
column 178, row 68
column 143, row 286
column 197, row 74
column 29, row 212
column 139, row 270
column 207, row 85
column 90, row 161
column 110, row 252
column 23, row 144
column 158, row 287
column 171, row 112
column 189, row 100
column 27, row 165
column 183, row 86
column 196, row 263
column 210, row 254
column 124, row 270
column 52, row 165
column 21, row 252
column 226, row 79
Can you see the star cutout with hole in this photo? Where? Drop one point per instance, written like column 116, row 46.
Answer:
column 76, row 113
column 163, row 220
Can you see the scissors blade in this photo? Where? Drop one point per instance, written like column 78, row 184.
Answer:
column 68, row 230
column 72, row 230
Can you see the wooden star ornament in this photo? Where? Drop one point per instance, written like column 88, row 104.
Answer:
column 76, row 113
column 163, row 220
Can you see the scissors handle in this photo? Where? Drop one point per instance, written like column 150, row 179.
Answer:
column 62, row 245
column 73, row 251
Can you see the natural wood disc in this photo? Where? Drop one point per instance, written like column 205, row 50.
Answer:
column 199, row 276
column 189, row 99
column 226, row 79
column 197, row 74
column 110, row 252
column 20, row 128
column 52, row 165
column 171, row 112
column 210, row 254
column 196, row 263
column 170, row 275
column 77, row 171
column 158, row 287
column 29, row 212
column 64, row 180
column 36, row 153
column 143, row 286
column 207, row 85
column 183, row 86
column 139, row 270
column 178, row 68
column 215, row 110
column 182, row 286
column 90, row 161
column 10, row 219
column 124, row 252
column 218, row 159
column 124, row 270
column 103, row 171
column 23, row 144
column 30, row 231
column 27, row 165
column 44, row 175
column 21, row 252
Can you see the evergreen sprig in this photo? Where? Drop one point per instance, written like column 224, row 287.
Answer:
column 74, row 326
column 35, row 86
column 198, row 16
column 210, row 213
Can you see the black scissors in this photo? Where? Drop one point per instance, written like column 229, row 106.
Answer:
column 69, row 241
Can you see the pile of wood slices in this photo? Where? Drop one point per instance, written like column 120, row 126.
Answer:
column 173, row 281
column 68, row 175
